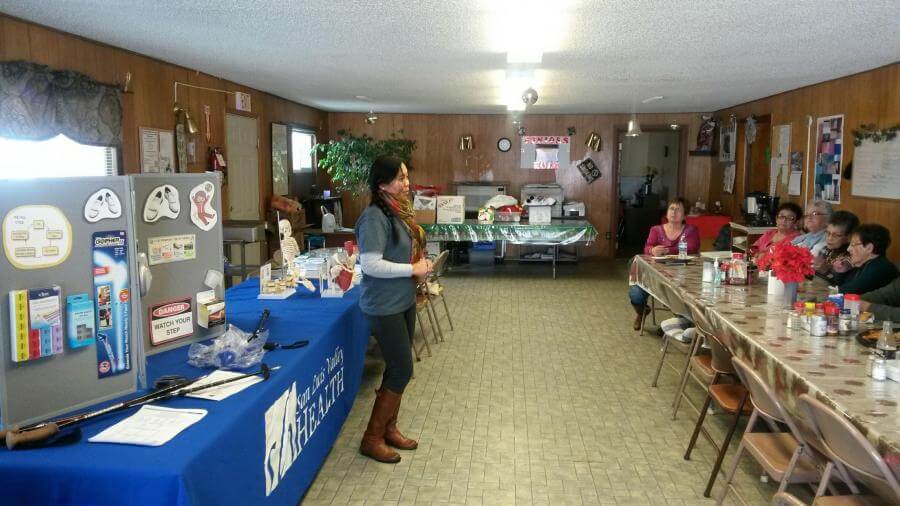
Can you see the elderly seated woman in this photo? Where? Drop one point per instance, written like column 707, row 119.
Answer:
column 871, row 269
column 785, row 229
column 818, row 212
column 833, row 261
column 663, row 240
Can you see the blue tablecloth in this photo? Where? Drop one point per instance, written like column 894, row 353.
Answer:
column 261, row 446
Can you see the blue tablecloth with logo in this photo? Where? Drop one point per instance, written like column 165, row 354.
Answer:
column 263, row 445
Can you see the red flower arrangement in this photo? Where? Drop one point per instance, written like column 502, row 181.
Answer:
column 789, row 263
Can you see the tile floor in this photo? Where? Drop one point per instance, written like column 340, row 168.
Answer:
column 540, row 396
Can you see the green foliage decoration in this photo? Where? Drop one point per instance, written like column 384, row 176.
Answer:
column 348, row 159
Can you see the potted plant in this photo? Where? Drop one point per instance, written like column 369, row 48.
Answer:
column 348, row 159
column 789, row 264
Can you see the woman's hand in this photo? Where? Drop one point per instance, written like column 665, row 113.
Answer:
column 659, row 251
column 421, row 268
column 864, row 306
column 843, row 265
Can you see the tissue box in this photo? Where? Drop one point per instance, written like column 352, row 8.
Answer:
column 210, row 310
column 425, row 208
column 451, row 209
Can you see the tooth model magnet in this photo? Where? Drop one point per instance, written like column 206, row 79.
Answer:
column 202, row 213
column 103, row 204
column 80, row 323
column 162, row 203
column 112, row 301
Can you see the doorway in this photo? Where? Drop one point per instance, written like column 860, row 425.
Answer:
column 648, row 174
column 241, row 141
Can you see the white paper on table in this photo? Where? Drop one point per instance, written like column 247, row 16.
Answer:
column 794, row 184
column 224, row 391
column 150, row 426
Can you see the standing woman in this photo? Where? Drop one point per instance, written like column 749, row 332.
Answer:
column 392, row 257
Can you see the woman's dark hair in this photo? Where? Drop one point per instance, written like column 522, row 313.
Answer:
column 792, row 207
column 874, row 234
column 384, row 170
column 846, row 220
column 680, row 201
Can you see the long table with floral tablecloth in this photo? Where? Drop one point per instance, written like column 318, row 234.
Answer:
column 831, row 368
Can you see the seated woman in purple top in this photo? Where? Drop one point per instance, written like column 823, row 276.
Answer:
column 663, row 240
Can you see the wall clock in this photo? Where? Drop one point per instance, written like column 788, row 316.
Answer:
column 503, row 144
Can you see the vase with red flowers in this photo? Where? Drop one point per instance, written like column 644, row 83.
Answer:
column 789, row 264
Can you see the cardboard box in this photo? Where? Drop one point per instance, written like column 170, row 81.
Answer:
column 451, row 209
column 540, row 214
column 425, row 208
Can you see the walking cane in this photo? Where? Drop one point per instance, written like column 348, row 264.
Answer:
column 45, row 430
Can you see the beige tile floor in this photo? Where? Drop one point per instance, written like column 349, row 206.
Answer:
column 540, row 396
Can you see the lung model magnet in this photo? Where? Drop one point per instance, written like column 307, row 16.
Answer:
column 35, row 323
column 112, row 301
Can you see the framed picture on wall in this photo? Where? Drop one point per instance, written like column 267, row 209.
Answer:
column 727, row 141
column 829, row 152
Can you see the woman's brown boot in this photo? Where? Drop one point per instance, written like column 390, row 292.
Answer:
column 640, row 310
column 373, row 444
column 392, row 434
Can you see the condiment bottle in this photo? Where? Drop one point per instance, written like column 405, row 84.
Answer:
column 831, row 320
column 845, row 322
column 886, row 347
column 851, row 302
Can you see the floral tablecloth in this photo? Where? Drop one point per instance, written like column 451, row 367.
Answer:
column 831, row 368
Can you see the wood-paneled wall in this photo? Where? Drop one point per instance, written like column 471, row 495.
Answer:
column 149, row 102
column 438, row 160
column 868, row 97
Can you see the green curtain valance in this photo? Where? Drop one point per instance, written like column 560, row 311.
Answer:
column 38, row 103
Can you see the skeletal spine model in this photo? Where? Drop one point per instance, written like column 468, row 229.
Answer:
column 289, row 251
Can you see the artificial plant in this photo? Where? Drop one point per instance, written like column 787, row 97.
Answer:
column 348, row 159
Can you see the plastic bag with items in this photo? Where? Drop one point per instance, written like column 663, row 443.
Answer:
column 231, row 350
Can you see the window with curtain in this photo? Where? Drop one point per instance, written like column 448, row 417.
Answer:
column 57, row 123
column 302, row 142
column 56, row 157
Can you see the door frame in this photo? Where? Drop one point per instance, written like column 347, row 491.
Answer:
column 618, row 133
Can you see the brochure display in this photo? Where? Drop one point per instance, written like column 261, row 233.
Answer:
column 68, row 299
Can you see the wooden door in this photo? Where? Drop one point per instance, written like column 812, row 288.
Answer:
column 243, row 167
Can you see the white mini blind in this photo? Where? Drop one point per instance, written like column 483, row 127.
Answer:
column 56, row 157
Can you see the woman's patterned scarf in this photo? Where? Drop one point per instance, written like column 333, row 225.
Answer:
column 401, row 206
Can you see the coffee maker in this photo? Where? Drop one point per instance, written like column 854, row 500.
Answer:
column 759, row 209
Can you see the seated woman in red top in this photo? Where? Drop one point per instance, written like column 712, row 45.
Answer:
column 663, row 240
column 785, row 228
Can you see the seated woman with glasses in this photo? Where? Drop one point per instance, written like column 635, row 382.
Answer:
column 785, row 228
column 663, row 240
column 871, row 269
column 834, row 261
column 816, row 218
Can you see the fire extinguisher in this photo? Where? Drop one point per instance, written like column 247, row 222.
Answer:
column 217, row 162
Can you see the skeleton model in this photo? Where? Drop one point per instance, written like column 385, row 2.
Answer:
column 341, row 273
column 289, row 251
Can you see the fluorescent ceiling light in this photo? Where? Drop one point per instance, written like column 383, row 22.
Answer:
column 524, row 55
column 652, row 99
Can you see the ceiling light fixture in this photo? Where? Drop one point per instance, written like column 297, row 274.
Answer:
column 530, row 96
column 524, row 55
column 652, row 99
column 371, row 118
column 674, row 126
column 362, row 97
column 634, row 128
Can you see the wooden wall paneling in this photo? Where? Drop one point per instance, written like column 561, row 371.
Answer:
column 438, row 160
column 867, row 97
column 149, row 104
column 15, row 40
